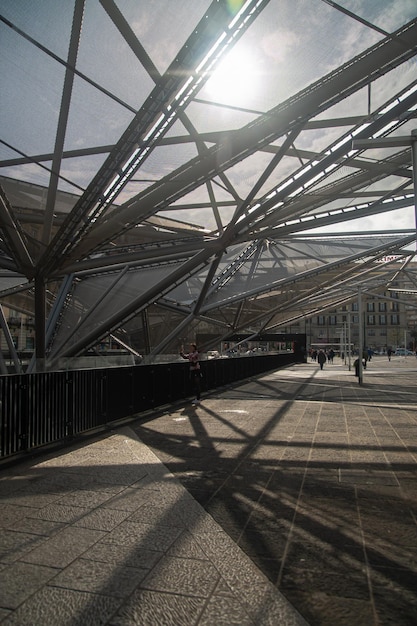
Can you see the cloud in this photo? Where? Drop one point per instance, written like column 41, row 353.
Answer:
column 277, row 46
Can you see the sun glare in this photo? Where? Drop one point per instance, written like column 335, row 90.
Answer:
column 233, row 80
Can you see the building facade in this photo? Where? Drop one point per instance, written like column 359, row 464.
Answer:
column 387, row 322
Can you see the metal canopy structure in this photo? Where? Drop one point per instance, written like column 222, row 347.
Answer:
column 170, row 168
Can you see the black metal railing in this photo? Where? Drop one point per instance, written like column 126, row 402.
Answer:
column 44, row 408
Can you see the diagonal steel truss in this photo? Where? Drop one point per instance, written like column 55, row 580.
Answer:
column 258, row 263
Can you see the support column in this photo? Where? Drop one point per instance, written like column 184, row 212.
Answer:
column 10, row 345
column 414, row 162
column 344, row 343
column 146, row 332
column 360, row 369
column 349, row 340
column 40, row 322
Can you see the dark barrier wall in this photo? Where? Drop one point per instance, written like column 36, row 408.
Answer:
column 39, row 409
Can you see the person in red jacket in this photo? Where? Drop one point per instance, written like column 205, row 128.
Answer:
column 195, row 371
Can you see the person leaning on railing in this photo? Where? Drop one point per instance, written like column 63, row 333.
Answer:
column 195, row 371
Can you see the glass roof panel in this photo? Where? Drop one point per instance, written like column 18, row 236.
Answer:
column 167, row 154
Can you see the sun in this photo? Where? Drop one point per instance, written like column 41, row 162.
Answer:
column 234, row 80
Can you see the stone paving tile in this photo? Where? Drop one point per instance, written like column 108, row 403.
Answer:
column 330, row 583
column 383, row 554
column 267, row 607
column 62, row 482
column 130, row 556
column 102, row 519
column 102, row 578
column 280, row 521
column 14, row 545
column 21, row 580
column 333, row 610
column 98, row 483
column 399, row 534
column 31, row 498
column 52, row 605
column 63, row 547
column 225, row 612
column 322, row 558
column 57, row 512
column 263, row 544
column 87, row 498
column 341, row 445
column 230, row 561
column 4, row 613
column 188, row 577
column 33, row 526
column 397, row 607
column 11, row 514
column 10, row 483
column 146, row 535
column 186, row 547
column 123, row 476
column 130, row 499
column 146, row 607
column 107, row 568
column 156, row 510
column 305, row 467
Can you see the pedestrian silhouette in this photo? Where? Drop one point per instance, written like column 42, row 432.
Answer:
column 321, row 358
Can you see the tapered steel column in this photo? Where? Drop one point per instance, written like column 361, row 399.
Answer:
column 360, row 368
column 40, row 320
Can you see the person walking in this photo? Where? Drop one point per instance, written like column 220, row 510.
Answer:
column 321, row 358
column 195, row 371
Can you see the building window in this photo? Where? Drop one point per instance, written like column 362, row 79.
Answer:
column 382, row 320
column 30, row 343
column 371, row 320
column 355, row 306
column 321, row 320
column 371, row 333
column 355, row 319
column 395, row 320
column 394, row 306
column 370, row 307
column 14, row 318
column 382, row 307
column 332, row 320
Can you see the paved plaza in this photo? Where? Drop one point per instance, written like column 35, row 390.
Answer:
column 288, row 499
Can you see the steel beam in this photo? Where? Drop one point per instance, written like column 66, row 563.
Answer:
column 14, row 237
column 62, row 120
column 140, row 133
column 318, row 97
